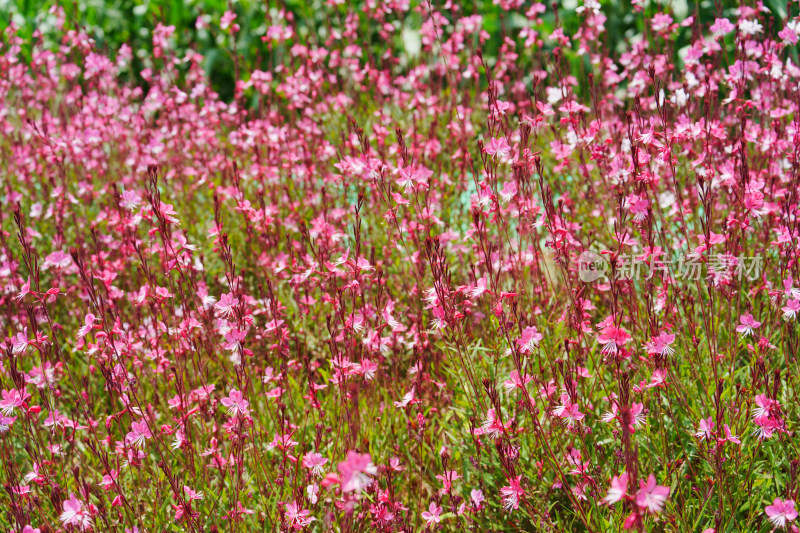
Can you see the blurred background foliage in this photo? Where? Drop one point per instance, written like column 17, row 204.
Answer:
column 113, row 23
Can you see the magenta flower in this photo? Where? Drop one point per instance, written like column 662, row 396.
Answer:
column 722, row 27
column 20, row 342
column 192, row 495
column 433, row 515
column 297, row 517
column 651, row 496
column 747, row 324
column 315, row 462
column 706, row 429
column 138, row 434
column 447, row 480
column 6, row 422
column 729, row 436
column 661, row 344
column 25, row 290
column 498, row 148
column 781, row 512
column 512, row 493
column 791, row 309
column 613, row 338
column 568, row 411
column 407, row 399
column 235, row 403
column 75, row 514
column 356, row 471
column 529, row 339
column 372, row 238
column 283, row 443
column 109, row 480
column 618, row 489
column 226, row 305
column 516, row 381
column 476, row 495
column 12, row 399
column 492, row 425
column 88, row 325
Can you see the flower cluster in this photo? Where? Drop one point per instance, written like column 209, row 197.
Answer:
column 346, row 293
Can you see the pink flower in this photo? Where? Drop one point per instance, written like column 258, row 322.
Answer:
column 479, row 288
column 502, row 107
column 88, row 324
column 651, row 496
column 168, row 212
column 284, row 443
column 764, row 406
column 637, row 416
column 619, row 486
column 658, row 379
column 706, row 429
column 235, row 403
column 661, row 345
column 408, row 399
column 58, row 259
column 297, row 517
column 767, row 417
column 512, row 494
column 273, row 325
column 191, row 495
column 75, row 514
column 476, row 495
column 25, row 290
column 729, row 437
column 612, row 338
column 368, row 369
column 516, row 381
column 439, row 318
column 276, row 392
column 722, row 27
column 529, row 339
column 20, row 342
column 660, row 22
column 789, row 33
column 236, row 513
column 791, row 309
column 129, row 199
column 356, row 471
column 447, row 480
column 747, row 324
column 790, row 292
column 315, row 462
column 780, row 512
column 226, row 305
column 498, row 148
column 109, row 480
column 12, row 399
column 766, row 426
column 138, row 434
column 568, row 411
column 433, row 515
column 492, row 425
column 6, row 422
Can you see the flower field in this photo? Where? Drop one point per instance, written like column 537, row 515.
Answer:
column 504, row 266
